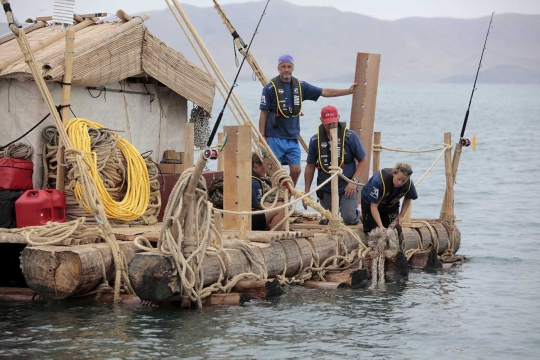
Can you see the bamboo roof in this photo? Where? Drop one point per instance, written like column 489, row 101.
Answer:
column 110, row 52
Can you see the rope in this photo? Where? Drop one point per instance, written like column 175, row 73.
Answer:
column 446, row 146
column 135, row 201
column 380, row 147
column 18, row 151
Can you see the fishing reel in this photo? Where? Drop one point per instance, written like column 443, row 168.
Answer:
column 211, row 154
column 464, row 142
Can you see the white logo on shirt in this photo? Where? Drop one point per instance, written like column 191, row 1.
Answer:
column 375, row 193
column 263, row 100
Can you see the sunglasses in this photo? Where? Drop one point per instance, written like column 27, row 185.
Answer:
column 405, row 171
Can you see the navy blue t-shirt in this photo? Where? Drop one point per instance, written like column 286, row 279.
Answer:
column 256, row 193
column 372, row 191
column 286, row 128
column 353, row 150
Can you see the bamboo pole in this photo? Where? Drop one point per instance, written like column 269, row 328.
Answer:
column 66, row 95
column 35, row 26
column 234, row 99
column 376, row 151
column 447, row 212
column 43, row 44
column 250, row 59
column 335, row 180
column 221, row 159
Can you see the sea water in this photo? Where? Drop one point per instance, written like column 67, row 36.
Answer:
column 488, row 308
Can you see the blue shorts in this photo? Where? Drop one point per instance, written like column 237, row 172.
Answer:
column 287, row 151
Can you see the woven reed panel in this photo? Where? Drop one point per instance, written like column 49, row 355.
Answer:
column 177, row 73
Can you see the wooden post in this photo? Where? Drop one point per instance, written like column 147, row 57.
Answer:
column 218, row 222
column 447, row 211
column 221, row 159
column 376, row 151
column 66, row 95
column 244, row 223
column 189, row 145
column 335, row 180
column 237, row 177
column 407, row 217
column 455, row 163
column 364, row 101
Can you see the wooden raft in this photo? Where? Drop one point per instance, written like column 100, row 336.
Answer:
column 59, row 272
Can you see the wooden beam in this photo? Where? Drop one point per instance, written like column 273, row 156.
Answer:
column 376, row 151
column 364, row 101
column 447, row 209
column 237, row 176
column 221, row 157
column 189, row 145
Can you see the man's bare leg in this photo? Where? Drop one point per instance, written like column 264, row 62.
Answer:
column 294, row 172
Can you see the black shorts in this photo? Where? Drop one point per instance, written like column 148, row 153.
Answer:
column 258, row 222
column 386, row 217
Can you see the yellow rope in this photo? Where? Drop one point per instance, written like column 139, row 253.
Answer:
column 135, row 202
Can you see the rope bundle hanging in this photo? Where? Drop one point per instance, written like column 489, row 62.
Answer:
column 201, row 120
column 135, row 201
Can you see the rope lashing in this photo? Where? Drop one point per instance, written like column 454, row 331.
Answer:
column 135, row 202
column 18, row 151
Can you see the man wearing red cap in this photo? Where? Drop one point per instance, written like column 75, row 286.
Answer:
column 281, row 106
column 351, row 157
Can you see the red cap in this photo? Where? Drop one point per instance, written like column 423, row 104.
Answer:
column 329, row 114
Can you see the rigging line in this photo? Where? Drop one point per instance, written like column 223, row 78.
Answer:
column 476, row 78
column 216, row 126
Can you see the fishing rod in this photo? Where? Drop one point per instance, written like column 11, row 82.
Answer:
column 463, row 141
column 218, row 121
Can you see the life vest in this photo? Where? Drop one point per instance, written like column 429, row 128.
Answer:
column 265, row 187
column 283, row 109
column 323, row 145
column 388, row 186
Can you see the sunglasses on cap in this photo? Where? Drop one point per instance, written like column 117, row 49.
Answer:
column 405, row 171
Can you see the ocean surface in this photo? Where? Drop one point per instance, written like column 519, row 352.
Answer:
column 488, row 308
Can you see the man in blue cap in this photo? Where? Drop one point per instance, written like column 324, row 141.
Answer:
column 281, row 106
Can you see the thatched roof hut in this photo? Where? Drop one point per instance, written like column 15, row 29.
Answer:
column 143, row 86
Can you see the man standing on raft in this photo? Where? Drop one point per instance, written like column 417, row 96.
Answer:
column 351, row 157
column 381, row 195
column 281, row 106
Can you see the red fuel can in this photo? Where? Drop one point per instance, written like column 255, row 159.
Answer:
column 38, row 207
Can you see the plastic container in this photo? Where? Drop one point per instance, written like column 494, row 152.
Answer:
column 38, row 207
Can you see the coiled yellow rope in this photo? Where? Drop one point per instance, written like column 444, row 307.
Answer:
column 135, row 202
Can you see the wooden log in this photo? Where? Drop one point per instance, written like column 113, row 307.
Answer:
column 16, row 294
column 353, row 278
column 298, row 255
column 324, row 285
column 57, row 272
column 426, row 259
column 259, row 289
column 231, row 299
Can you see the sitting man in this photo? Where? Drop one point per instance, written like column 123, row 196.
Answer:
column 352, row 159
column 267, row 220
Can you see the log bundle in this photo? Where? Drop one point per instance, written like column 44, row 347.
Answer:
column 70, row 271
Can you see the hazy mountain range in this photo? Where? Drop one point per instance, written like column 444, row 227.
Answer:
column 324, row 42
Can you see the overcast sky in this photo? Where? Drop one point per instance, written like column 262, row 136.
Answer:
column 381, row 9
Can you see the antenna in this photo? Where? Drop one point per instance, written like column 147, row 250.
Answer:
column 63, row 12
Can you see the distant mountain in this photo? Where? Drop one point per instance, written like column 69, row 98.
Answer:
column 324, row 42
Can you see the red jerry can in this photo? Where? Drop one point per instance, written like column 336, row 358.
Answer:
column 38, row 207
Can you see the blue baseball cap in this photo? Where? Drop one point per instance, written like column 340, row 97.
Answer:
column 285, row 58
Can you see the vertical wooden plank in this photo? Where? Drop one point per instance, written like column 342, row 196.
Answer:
column 221, row 158
column 376, row 151
column 66, row 96
column 334, row 181
column 189, row 145
column 364, row 101
column 237, row 176
column 447, row 209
